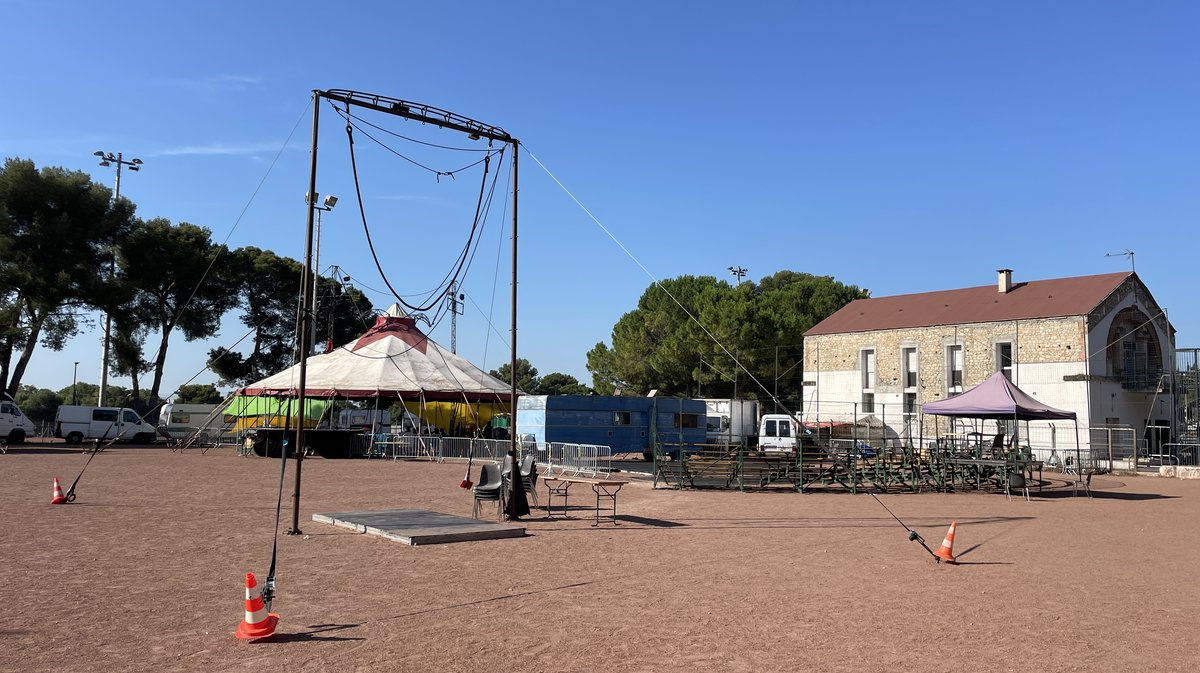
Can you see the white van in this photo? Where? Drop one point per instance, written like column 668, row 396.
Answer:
column 779, row 433
column 77, row 423
column 14, row 425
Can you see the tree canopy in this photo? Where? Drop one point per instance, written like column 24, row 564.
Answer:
column 265, row 286
column 687, row 332
column 57, row 229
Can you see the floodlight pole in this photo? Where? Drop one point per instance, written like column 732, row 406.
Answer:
column 305, row 302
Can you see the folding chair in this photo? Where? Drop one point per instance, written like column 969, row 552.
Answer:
column 490, row 488
column 1016, row 482
column 1085, row 482
column 529, row 477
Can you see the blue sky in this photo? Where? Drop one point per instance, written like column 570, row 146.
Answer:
column 900, row 147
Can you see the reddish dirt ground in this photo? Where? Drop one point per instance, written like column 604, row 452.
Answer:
column 145, row 570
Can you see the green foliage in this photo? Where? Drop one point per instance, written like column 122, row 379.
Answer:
column 557, row 383
column 39, row 404
column 750, row 334
column 56, row 230
column 198, row 394
column 266, row 287
column 86, row 394
column 600, row 364
column 527, row 375
column 176, row 279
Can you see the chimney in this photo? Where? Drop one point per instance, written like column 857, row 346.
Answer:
column 1004, row 283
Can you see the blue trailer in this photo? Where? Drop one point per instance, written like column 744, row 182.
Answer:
column 627, row 424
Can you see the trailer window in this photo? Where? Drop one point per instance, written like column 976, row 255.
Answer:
column 180, row 418
column 104, row 415
column 620, row 418
column 687, row 420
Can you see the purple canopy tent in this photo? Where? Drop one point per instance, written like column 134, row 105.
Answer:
column 997, row 398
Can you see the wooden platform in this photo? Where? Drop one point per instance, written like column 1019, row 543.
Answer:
column 419, row 526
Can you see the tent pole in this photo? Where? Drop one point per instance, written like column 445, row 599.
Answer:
column 518, row 506
column 305, row 302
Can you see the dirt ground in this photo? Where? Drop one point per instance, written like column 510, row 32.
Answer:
column 145, row 572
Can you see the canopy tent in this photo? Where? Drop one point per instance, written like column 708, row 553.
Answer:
column 998, row 399
column 393, row 360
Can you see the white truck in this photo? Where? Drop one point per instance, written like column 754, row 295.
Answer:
column 731, row 421
column 14, row 425
column 77, row 423
column 780, row 433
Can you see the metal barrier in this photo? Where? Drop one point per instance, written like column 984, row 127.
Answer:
column 577, row 460
column 1111, row 448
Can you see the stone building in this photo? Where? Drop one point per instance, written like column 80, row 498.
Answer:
column 1096, row 345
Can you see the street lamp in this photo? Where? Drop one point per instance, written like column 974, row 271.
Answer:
column 74, row 380
column 108, row 159
column 738, row 272
column 330, row 201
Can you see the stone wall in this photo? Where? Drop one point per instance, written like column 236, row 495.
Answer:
column 1042, row 341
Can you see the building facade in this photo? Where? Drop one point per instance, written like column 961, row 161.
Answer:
column 1096, row 345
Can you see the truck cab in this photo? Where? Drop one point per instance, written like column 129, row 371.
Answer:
column 780, row 433
column 14, row 425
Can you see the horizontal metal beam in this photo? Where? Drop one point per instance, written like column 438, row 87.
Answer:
column 426, row 114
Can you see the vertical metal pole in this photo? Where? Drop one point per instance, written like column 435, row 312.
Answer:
column 514, row 507
column 112, row 271
column 305, row 301
column 312, row 338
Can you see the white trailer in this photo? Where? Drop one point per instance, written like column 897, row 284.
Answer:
column 731, row 421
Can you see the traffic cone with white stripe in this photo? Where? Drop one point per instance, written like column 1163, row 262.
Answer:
column 946, row 553
column 57, row 498
column 258, row 623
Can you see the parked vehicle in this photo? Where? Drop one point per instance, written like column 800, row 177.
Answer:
column 366, row 420
column 77, row 423
column 14, row 425
column 178, row 420
column 625, row 424
column 731, row 421
column 780, row 433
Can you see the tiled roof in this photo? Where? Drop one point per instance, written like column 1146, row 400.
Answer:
column 1036, row 299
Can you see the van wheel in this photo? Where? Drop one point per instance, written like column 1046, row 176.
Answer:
column 16, row 437
column 143, row 438
column 75, row 438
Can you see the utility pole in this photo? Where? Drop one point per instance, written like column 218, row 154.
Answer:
column 109, row 159
column 329, row 203
column 456, row 310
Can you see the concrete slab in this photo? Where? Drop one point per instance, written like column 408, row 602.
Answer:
column 420, row 526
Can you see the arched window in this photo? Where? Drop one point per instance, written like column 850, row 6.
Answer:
column 1135, row 356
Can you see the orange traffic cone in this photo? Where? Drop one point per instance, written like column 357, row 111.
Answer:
column 58, row 498
column 258, row 623
column 946, row 553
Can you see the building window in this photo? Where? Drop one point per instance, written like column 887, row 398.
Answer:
column 908, row 362
column 620, row 418
column 954, row 368
column 868, row 370
column 910, row 404
column 868, row 406
column 1004, row 359
column 687, row 420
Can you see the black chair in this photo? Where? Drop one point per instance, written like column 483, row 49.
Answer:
column 1016, row 482
column 1085, row 482
column 529, row 477
column 490, row 489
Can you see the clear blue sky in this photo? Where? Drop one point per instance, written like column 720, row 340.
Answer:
column 898, row 146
